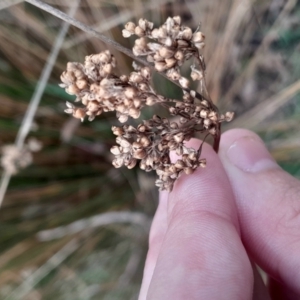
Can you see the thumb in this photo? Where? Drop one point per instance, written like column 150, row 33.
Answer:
column 268, row 202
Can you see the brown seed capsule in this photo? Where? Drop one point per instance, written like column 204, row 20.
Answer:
column 170, row 62
column 184, row 82
column 141, row 128
column 137, row 103
column 130, row 92
column 165, row 52
column 229, row 116
column 81, row 84
column 115, row 150
column 179, row 164
column 196, row 75
column 187, row 33
column 145, row 72
column 168, row 41
column 151, row 100
column 188, row 170
column 179, row 137
column 160, row 66
column 202, row 163
column 72, row 89
column 145, row 141
column 130, row 26
column 139, row 31
column 134, row 112
column 203, row 114
column 140, row 154
column 79, row 113
column 198, row 37
column 131, row 164
column 107, row 68
column 135, row 77
column 117, row 130
column 213, row 116
column 207, row 123
column 179, row 55
column 93, row 106
column 172, row 169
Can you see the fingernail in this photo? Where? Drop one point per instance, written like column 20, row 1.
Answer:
column 250, row 155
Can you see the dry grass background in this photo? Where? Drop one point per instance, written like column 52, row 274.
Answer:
column 101, row 215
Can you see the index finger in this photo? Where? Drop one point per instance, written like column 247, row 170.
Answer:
column 202, row 255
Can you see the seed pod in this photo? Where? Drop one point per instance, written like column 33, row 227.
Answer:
column 107, row 68
column 130, row 26
column 184, row 82
column 213, row 116
column 168, row 41
column 72, row 89
column 187, row 33
column 117, row 162
column 179, row 55
column 117, row 130
column 137, row 103
column 134, row 112
column 145, row 72
column 188, row 170
column 93, row 106
column 79, row 113
column 170, row 62
column 199, row 46
column 131, row 164
column 160, row 66
column 145, row 141
column 81, row 84
column 229, row 116
column 203, row 114
column 177, row 20
column 139, row 154
column 130, row 92
column 115, row 150
column 198, row 37
column 135, row 77
column 179, row 164
column 196, row 75
column 207, row 123
column 165, row 52
column 139, row 31
column 202, row 163
column 179, row 137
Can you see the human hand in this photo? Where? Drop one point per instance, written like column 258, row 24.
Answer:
column 242, row 208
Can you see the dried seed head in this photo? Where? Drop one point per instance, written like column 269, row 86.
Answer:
column 198, row 37
column 229, row 116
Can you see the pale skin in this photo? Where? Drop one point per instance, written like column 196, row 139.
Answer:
column 216, row 224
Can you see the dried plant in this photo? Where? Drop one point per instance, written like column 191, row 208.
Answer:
column 13, row 158
column 99, row 89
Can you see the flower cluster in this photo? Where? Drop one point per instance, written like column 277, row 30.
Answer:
column 173, row 44
column 149, row 144
column 100, row 90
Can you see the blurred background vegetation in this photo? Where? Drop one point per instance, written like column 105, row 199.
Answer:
column 103, row 214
